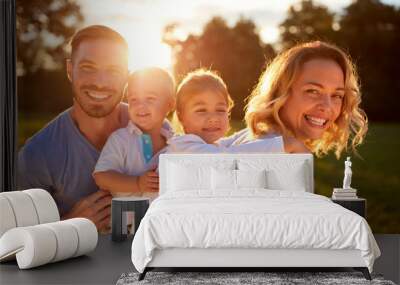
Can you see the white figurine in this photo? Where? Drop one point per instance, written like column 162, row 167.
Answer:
column 347, row 174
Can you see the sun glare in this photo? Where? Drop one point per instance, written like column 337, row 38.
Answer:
column 152, row 54
column 269, row 34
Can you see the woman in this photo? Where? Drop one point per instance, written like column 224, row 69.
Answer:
column 309, row 92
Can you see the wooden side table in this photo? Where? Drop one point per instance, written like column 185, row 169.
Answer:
column 119, row 207
column 357, row 205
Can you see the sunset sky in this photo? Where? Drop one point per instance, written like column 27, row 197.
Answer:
column 141, row 22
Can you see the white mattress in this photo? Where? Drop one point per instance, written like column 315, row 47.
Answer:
column 254, row 218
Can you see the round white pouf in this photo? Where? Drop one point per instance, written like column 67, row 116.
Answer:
column 67, row 240
column 40, row 244
column 7, row 218
column 33, row 246
column 87, row 234
column 45, row 205
column 23, row 208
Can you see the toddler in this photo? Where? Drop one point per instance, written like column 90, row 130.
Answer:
column 128, row 161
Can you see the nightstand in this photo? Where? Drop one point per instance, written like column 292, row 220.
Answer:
column 357, row 205
column 119, row 207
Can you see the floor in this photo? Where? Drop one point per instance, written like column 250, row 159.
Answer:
column 388, row 263
column 110, row 260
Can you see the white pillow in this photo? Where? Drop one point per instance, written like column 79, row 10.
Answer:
column 223, row 179
column 293, row 179
column 251, row 178
column 183, row 177
column 227, row 179
column 288, row 174
column 186, row 175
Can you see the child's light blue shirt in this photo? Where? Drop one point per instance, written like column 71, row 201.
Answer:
column 129, row 151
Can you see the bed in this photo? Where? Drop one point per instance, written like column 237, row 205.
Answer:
column 247, row 210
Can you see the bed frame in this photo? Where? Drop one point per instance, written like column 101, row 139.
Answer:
column 248, row 259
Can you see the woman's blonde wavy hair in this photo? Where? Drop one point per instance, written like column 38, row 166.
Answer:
column 273, row 88
column 195, row 82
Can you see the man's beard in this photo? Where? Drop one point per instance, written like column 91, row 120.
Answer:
column 96, row 111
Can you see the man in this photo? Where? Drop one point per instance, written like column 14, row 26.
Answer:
column 61, row 157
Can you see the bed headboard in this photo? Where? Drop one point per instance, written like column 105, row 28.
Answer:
column 286, row 168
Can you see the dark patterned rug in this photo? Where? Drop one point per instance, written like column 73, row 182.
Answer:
column 269, row 278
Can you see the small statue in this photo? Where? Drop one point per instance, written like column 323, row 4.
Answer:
column 347, row 174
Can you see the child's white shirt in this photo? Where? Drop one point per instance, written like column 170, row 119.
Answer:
column 191, row 143
column 124, row 152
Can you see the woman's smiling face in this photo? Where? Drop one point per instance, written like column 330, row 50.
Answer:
column 315, row 100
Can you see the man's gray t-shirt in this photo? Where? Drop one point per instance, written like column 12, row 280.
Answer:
column 60, row 160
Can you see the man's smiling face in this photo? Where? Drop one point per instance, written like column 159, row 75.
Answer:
column 98, row 72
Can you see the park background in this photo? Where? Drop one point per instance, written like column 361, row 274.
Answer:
column 237, row 39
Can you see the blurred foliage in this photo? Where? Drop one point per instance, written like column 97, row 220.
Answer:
column 306, row 21
column 367, row 29
column 43, row 28
column 370, row 31
column 45, row 91
column 236, row 53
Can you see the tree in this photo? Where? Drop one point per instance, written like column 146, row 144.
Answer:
column 370, row 30
column 43, row 29
column 306, row 21
column 236, row 53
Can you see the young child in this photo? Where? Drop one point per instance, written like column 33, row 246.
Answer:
column 127, row 163
column 202, row 110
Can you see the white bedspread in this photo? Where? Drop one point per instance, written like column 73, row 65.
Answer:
column 250, row 219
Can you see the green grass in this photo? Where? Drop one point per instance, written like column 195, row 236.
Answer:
column 375, row 174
